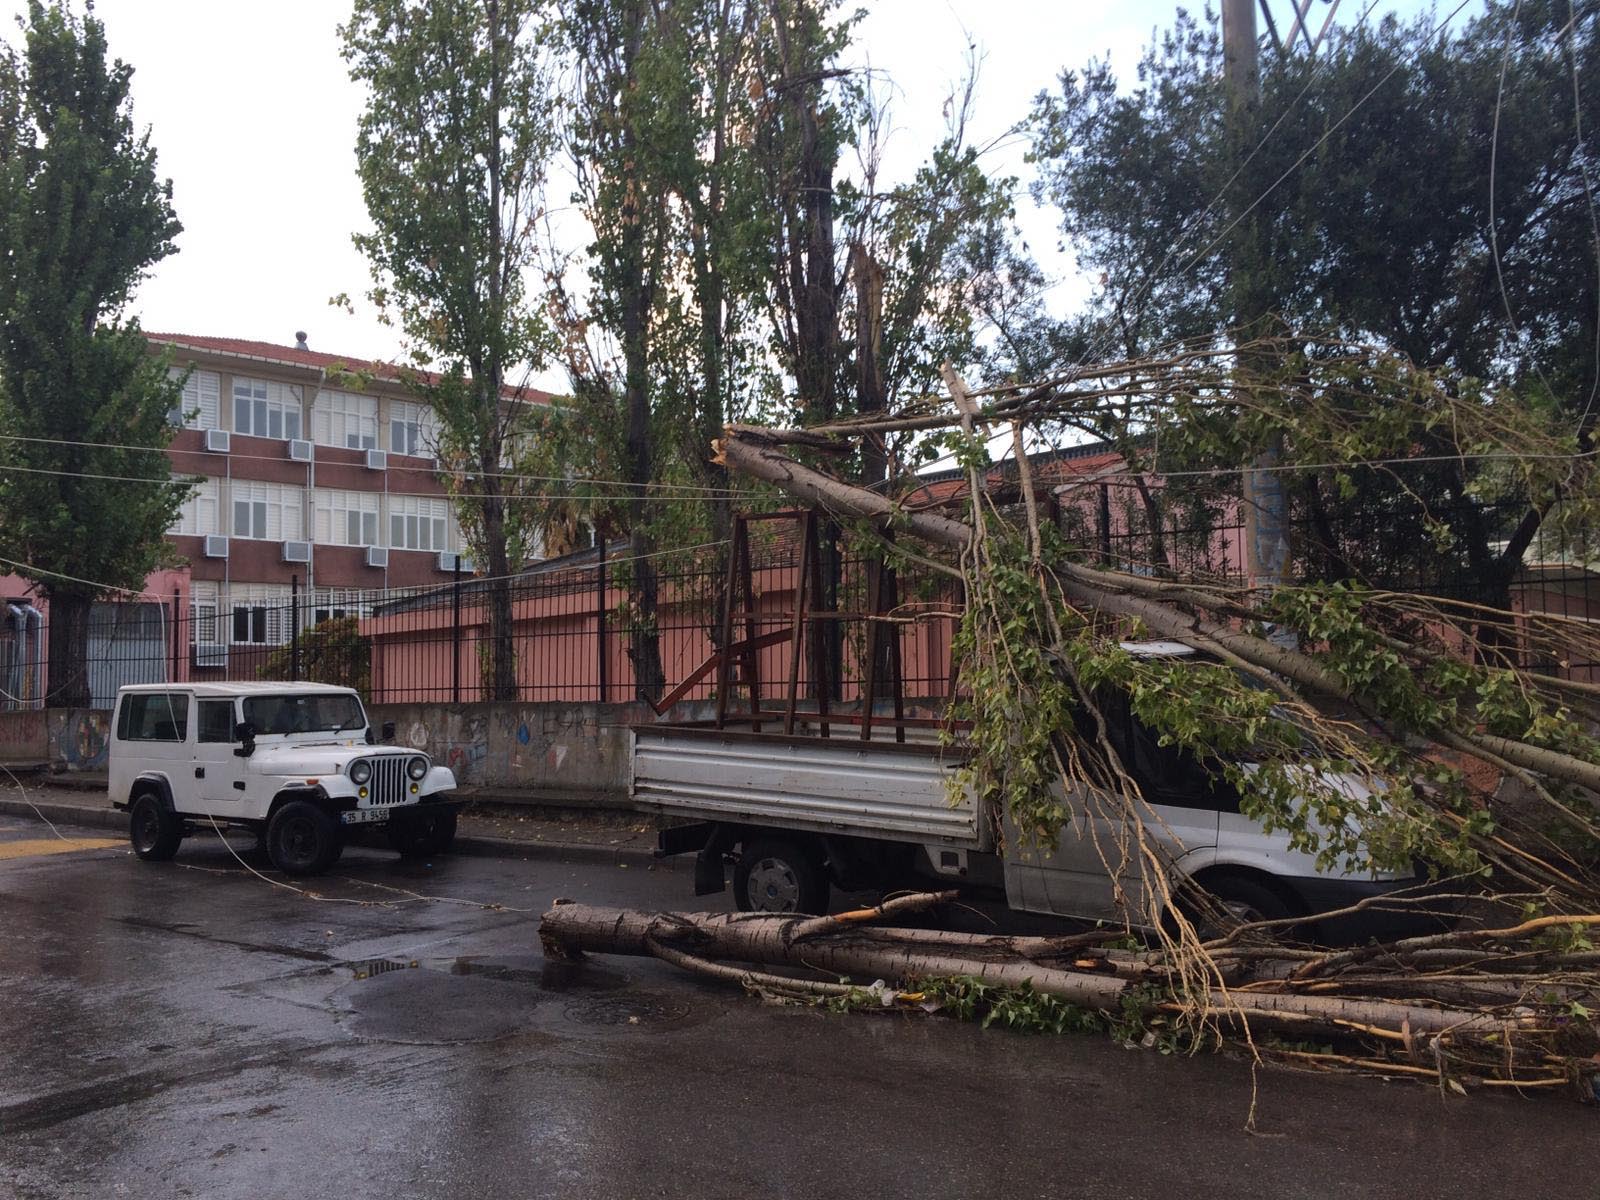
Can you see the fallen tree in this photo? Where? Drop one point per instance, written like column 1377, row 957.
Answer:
column 1517, row 1042
column 1411, row 697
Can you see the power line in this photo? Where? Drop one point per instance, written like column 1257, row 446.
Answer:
column 447, row 495
column 435, row 471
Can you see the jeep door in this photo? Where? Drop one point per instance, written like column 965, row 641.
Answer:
column 218, row 783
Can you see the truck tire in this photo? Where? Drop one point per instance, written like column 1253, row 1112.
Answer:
column 303, row 839
column 154, row 831
column 1245, row 899
column 779, row 876
column 422, row 834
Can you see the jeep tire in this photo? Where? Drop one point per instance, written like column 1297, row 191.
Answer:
column 154, row 830
column 303, row 839
column 419, row 833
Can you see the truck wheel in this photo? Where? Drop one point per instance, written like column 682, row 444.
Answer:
column 779, row 876
column 303, row 839
column 1244, row 900
column 421, row 834
column 154, row 832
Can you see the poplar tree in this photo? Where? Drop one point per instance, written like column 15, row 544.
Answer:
column 86, row 495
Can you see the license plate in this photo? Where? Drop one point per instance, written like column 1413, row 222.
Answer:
column 363, row 816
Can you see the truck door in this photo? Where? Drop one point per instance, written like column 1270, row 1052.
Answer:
column 1095, row 862
column 218, row 772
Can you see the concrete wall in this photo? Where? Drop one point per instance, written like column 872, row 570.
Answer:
column 67, row 739
column 566, row 750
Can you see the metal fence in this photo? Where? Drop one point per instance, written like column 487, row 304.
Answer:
column 577, row 628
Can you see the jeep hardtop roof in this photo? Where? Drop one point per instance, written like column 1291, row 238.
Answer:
column 241, row 689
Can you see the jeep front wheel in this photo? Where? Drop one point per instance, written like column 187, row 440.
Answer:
column 420, row 834
column 302, row 839
column 154, row 831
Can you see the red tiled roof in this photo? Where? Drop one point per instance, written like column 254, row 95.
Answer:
column 293, row 356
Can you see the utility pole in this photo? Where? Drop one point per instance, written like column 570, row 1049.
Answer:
column 1266, row 527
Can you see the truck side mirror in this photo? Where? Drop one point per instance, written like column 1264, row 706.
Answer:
column 245, row 734
column 388, row 731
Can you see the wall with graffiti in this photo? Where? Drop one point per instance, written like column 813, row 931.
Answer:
column 80, row 738
column 577, row 750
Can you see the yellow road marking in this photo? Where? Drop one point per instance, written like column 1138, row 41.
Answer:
column 29, row 847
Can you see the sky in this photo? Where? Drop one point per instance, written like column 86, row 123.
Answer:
column 254, row 117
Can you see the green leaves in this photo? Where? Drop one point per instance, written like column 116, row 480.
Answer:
column 85, row 491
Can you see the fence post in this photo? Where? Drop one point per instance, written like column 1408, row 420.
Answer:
column 455, row 645
column 600, row 614
column 177, row 633
column 294, row 627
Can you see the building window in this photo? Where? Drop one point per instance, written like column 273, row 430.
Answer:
column 198, row 516
column 418, row 523
column 270, row 511
column 203, row 611
column 335, row 604
column 347, row 518
column 411, row 429
column 260, row 614
column 200, row 403
column 265, row 409
column 345, row 419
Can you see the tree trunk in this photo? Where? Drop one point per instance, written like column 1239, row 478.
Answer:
column 1124, row 595
column 67, row 681
column 569, row 929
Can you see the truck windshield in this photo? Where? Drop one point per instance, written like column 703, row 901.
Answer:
column 316, row 713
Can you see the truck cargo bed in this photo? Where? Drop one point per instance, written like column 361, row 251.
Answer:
column 826, row 785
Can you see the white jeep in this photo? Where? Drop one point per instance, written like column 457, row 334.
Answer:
column 297, row 763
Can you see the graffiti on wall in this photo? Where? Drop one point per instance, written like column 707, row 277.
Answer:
column 83, row 739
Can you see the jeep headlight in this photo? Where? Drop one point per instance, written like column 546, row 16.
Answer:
column 417, row 768
column 360, row 771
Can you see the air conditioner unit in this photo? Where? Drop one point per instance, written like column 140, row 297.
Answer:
column 447, row 562
column 377, row 556
column 377, row 460
column 211, row 654
column 297, row 552
column 218, row 440
column 300, row 450
column 216, row 545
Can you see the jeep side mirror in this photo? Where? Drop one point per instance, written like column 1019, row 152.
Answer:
column 245, row 734
column 388, row 731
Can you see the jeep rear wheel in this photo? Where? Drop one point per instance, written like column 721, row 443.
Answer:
column 303, row 839
column 154, row 831
column 421, row 833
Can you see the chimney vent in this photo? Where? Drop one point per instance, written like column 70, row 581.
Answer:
column 300, row 340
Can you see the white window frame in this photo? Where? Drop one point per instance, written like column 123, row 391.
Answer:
column 205, row 614
column 420, row 523
column 345, row 419
column 267, row 409
column 412, row 430
column 266, row 614
column 200, row 402
column 199, row 515
column 272, row 512
column 347, row 518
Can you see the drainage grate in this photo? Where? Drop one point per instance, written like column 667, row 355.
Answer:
column 377, row 966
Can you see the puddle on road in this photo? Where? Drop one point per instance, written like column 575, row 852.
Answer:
column 464, row 1000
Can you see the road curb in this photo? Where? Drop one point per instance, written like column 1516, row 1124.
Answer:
column 483, row 847
column 65, row 814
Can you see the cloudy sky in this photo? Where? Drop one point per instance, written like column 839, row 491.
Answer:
column 254, row 120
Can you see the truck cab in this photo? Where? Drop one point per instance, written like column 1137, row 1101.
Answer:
column 296, row 763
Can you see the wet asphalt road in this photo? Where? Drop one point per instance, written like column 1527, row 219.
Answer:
column 191, row 1030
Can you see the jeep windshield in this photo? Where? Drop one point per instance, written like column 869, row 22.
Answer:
column 313, row 713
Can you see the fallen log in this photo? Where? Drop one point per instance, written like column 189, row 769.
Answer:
column 569, row 930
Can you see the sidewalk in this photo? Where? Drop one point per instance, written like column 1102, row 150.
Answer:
column 571, row 833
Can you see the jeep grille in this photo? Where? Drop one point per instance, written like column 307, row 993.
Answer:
column 388, row 784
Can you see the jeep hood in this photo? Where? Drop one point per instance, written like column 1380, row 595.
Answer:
column 316, row 758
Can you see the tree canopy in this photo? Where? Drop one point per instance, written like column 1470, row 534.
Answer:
column 85, row 494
